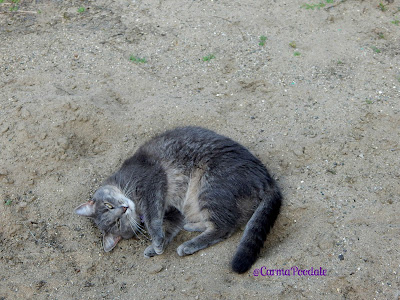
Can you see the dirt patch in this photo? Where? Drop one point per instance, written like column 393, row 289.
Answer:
column 313, row 90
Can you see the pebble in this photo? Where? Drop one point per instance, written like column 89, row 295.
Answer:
column 63, row 143
column 33, row 198
column 83, row 118
column 73, row 106
column 97, row 150
column 154, row 269
column 298, row 151
column 40, row 284
column 20, row 126
column 4, row 129
column 8, row 180
column 25, row 113
column 21, row 206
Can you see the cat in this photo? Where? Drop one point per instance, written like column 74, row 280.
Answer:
column 190, row 178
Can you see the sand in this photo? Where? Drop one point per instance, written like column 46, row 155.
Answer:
column 84, row 83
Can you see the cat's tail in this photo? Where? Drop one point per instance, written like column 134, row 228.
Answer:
column 256, row 232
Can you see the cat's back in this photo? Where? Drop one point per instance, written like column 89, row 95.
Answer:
column 191, row 135
column 194, row 146
column 188, row 140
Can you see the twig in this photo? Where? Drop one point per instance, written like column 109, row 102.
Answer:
column 18, row 11
column 334, row 5
column 233, row 24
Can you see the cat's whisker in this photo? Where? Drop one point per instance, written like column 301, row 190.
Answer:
column 134, row 231
column 125, row 192
column 129, row 193
column 131, row 225
column 139, row 227
column 126, row 189
column 136, row 227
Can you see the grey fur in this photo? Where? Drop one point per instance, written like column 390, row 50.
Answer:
column 189, row 178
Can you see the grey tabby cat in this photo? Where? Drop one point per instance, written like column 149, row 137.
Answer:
column 189, row 178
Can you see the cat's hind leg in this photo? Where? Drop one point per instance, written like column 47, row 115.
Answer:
column 210, row 236
column 173, row 223
column 218, row 215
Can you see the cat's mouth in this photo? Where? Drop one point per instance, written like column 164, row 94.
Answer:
column 128, row 205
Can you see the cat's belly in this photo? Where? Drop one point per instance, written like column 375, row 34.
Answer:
column 191, row 208
column 183, row 194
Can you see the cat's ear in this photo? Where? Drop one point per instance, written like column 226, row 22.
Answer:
column 86, row 209
column 110, row 241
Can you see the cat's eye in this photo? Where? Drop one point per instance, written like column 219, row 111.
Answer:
column 108, row 205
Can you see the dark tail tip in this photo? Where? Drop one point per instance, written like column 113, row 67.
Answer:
column 242, row 264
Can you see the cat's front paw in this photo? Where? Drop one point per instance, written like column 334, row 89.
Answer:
column 149, row 252
column 158, row 245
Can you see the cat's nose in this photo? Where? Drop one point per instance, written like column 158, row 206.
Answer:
column 124, row 208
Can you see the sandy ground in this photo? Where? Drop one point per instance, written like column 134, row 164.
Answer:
column 84, row 83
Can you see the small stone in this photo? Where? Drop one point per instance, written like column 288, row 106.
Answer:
column 8, row 180
column 40, row 284
column 4, row 129
column 21, row 206
column 33, row 222
column 298, row 151
column 88, row 284
column 171, row 288
column 73, row 106
column 341, row 257
column 97, row 150
column 154, row 269
column 25, row 113
column 83, row 119
column 20, row 126
column 63, row 143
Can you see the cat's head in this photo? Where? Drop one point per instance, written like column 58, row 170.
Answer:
column 113, row 213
